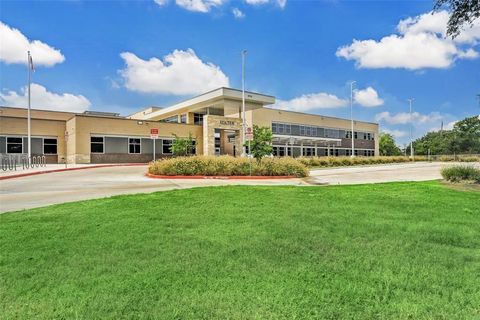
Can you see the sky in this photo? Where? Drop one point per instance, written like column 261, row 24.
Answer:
column 122, row 56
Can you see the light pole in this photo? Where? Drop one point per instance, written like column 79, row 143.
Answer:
column 411, row 127
column 351, row 116
column 244, row 123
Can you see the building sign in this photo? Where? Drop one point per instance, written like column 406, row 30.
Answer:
column 227, row 123
column 153, row 133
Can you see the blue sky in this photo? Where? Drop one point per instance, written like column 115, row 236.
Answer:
column 294, row 53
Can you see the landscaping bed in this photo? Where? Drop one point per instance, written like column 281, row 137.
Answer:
column 224, row 166
column 461, row 174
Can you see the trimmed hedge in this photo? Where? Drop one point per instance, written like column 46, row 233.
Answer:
column 227, row 166
column 349, row 161
column 461, row 173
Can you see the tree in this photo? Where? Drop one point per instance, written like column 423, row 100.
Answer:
column 468, row 134
column 261, row 145
column 388, row 146
column 463, row 12
column 183, row 146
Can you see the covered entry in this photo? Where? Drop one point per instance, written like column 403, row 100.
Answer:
column 222, row 135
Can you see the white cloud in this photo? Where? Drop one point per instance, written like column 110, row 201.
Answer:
column 404, row 117
column 368, row 97
column 180, row 73
column 280, row 3
column 161, row 2
column 14, row 47
column 395, row 133
column 41, row 98
column 237, row 13
column 312, row 101
column 199, row 5
column 421, row 43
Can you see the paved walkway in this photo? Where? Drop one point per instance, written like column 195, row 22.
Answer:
column 45, row 189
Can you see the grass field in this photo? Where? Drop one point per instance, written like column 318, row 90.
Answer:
column 386, row 251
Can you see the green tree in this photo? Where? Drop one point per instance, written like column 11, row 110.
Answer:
column 468, row 134
column 462, row 12
column 261, row 145
column 388, row 146
column 183, row 146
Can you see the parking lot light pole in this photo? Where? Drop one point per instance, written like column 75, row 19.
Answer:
column 351, row 116
column 244, row 123
column 411, row 128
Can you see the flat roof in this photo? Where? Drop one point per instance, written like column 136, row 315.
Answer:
column 212, row 96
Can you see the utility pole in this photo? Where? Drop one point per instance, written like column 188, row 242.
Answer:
column 411, row 127
column 351, row 116
column 244, row 123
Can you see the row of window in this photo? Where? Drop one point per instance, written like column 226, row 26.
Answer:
column 281, row 151
column 314, row 131
column 97, row 145
column 15, row 145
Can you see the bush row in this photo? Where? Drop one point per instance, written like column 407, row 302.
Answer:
column 461, row 173
column 348, row 161
column 227, row 166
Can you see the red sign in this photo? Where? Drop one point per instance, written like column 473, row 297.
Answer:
column 249, row 130
column 153, row 131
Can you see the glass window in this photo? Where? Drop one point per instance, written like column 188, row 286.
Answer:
column 302, row 130
column 166, row 146
column 198, row 118
column 14, row 145
column 274, row 127
column 134, row 145
column 50, row 146
column 96, row 144
column 183, row 118
column 288, row 129
column 355, row 135
column 280, row 128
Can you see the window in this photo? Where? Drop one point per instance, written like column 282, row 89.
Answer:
column 14, row 145
column 198, row 118
column 172, row 119
column 369, row 136
column 302, row 130
column 274, row 127
column 133, row 145
column 183, row 118
column 308, row 152
column 281, row 128
column 348, row 134
column 355, row 135
column 166, row 145
column 288, row 129
column 96, row 144
column 50, row 146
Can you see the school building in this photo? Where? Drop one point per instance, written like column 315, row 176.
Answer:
column 213, row 119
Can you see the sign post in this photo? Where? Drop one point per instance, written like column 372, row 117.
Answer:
column 154, row 136
column 249, row 137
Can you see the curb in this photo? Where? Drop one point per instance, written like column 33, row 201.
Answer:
column 26, row 174
column 154, row 176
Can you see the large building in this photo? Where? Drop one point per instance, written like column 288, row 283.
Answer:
column 213, row 119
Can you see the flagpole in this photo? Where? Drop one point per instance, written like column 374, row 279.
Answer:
column 29, row 133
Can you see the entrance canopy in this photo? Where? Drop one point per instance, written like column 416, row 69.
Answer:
column 213, row 102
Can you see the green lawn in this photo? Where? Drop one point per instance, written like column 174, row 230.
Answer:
column 386, row 251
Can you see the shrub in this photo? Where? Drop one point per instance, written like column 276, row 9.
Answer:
column 461, row 173
column 227, row 166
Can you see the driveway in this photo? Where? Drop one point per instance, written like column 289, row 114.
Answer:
column 51, row 188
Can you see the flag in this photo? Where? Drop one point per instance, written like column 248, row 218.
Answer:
column 30, row 63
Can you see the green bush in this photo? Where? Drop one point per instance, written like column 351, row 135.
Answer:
column 227, row 166
column 461, row 173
